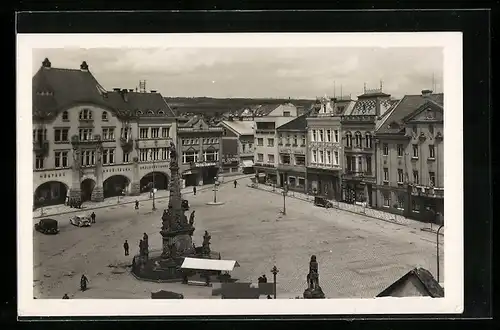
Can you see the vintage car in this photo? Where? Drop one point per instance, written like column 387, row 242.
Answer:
column 185, row 205
column 81, row 220
column 322, row 201
column 47, row 226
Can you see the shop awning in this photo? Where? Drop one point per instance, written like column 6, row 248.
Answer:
column 209, row 264
column 247, row 163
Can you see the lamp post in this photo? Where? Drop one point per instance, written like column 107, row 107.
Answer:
column 285, row 191
column 216, row 183
column 274, row 271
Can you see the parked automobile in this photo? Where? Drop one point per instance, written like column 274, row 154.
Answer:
column 47, row 226
column 185, row 205
column 323, row 202
column 81, row 220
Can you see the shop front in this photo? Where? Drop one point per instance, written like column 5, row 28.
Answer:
column 201, row 174
column 266, row 174
column 294, row 179
column 323, row 183
column 426, row 202
column 246, row 166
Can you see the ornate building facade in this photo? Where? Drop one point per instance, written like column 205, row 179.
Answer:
column 410, row 158
column 90, row 143
column 238, row 145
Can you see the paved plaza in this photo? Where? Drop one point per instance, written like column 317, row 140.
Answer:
column 358, row 256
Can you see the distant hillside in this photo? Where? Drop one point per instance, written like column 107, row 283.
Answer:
column 213, row 106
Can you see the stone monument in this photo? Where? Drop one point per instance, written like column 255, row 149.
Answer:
column 313, row 290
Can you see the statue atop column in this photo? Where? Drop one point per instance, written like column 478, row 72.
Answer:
column 313, row 290
column 206, row 243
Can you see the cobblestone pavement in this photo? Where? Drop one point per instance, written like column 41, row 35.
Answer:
column 358, row 256
column 113, row 201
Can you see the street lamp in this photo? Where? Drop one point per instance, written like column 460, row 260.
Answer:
column 216, row 183
column 274, row 271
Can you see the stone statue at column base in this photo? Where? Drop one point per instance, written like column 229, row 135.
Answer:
column 313, row 290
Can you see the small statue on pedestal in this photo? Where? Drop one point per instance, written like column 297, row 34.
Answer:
column 206, row 243
column 313, row 290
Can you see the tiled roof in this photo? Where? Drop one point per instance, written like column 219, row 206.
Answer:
column 265, row 109
column 406, row 106
column 137, row 101
column 430, row 285
column 367, row 106
column 299, row 123
column 243, row 127
column 66, row 87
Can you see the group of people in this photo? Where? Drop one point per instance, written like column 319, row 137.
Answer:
column 262, row 279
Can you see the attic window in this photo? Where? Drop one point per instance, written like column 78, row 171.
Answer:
column 150, row 112
column 86, row 114
column 65, row 115
column 104, row 116
column 139, row 112
column 161, row 112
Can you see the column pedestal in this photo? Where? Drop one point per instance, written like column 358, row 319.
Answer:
column 97, row 194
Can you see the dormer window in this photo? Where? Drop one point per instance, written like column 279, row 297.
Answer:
column 139, row 112
column 65, row 116
column 104, row 116
column 86, row 114
column 161, row 112
column 150, row 112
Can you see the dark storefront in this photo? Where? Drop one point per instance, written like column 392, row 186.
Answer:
column 323, row 183
column 230, row 160
column 357, row 191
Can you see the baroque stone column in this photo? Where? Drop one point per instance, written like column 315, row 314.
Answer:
column 75, row 192
column 98, row 192
column 135, row 187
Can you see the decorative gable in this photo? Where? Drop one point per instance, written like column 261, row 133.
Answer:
column 201, row 125
column 429, row 112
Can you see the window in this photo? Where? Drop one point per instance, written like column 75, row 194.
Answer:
column 270, row 158
column 260, row 141
column 303, row 140
column 143, row 133
column 286, row 113
column 368, row 140
column 315, row 156
column 189, row 157
column 401, row 202
column 85, row 134
column 348, row 139
column 108, row 156
column 270, row 142
column 287, row 140
column 250, row 147
column 143, row 155
column 260, row 158
column 155, row 132
column 415, row 151
column 358, row 139
column 387, row 199
column 386, row 174
column 126, row 132
column 302, row 182
column 432, row 179
column 336, row 135
column 368, row 164
column 211, row 156
column 328, row 157
column 414, row 129
column 400, row 150
column 108, row 134
column 400, row 176
column 61, row 135
column 431, row 129
column 104, row 116
column 385, row 150
column 39, row 162
column 431, row 151
column 336, row 154
column 285, row 159
column 314, row 135
column 328, row 135
column 164, row 153
column 321, row 157
column 126, row 157
column 150, row 112
column 295, row 140
column 65, row 116
column 154, row 153
column 88, row 157
column 300, row 160
column 164, row 132
column 349, row 163
column 60, row 159
column 39, row 135
column 86, row 114
column 415, row 177
column 415, row 207
column 321, row 137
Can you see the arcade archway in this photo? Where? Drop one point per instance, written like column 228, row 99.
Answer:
column 160, row 180
column 115, row 185
column 50, row 193
column 87, row 186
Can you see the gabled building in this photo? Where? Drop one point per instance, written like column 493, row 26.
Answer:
column 267, row 119
column 200, row 151
column 238, row 146
column 292, row 153
column 410, row 157
column 324, row 147
column 358, row 127
column 86, row 140
column 418, row 282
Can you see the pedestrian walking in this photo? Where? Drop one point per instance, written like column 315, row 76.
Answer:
column 126, row 247
column 235, row 183
column 92, row 216
column 194, row 190
column 136, row 204
column 65, row 296
column 83, row 283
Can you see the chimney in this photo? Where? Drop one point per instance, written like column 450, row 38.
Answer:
column 84, row 66
column 46, row 63
column 426, row 92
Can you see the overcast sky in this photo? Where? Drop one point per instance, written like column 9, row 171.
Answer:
column 257, row 72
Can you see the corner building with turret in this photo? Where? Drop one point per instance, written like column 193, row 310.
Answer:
column 90, row 143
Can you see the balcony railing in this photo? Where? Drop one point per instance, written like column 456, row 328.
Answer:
column 427, row 191
column 41, row 147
